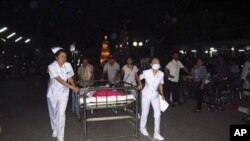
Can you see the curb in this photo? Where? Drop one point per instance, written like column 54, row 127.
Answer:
column 238, row 108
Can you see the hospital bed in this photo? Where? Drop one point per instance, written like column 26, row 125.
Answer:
column 117, row 97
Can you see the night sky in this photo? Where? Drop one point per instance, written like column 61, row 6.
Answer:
column 170, row 22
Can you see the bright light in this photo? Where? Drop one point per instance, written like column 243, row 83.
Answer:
column 206, row 51
column 11, row 35
column 241, row 50
column 3, row 29
column 212, row 48
column 73, row 47
column 181, row 51
column 3, row 39
column 140, row 44
column 248, row 47
column 26, row 41
column 193, row 51
column 121, row 45
column 135, row 44
column 18, row 39
column 232, row 48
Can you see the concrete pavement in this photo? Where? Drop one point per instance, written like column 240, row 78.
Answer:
column 24, row 117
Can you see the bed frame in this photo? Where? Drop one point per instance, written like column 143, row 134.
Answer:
column 129, row 105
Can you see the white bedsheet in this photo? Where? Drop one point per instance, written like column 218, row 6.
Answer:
column 100, row 99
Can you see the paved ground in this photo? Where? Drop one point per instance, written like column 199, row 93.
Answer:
column 24, row 117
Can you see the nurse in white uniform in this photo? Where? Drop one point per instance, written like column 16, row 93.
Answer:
column 151, row 94
column 60, row 73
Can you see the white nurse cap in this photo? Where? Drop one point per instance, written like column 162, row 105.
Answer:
column 55, row 49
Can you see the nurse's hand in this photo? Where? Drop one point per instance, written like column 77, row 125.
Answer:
column 139, row 87
column 162, row 97
column 76, row 90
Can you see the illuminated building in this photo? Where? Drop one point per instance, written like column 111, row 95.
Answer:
column 104, row 50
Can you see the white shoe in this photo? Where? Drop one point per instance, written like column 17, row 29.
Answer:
column 60, row 139
column 158, row 137
column 144, row 132
column 54, row 134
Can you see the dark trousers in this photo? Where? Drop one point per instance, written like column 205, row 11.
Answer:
column 198, row 95
column 173, row 87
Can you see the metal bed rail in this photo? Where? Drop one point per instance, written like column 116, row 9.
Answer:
column 120, row 86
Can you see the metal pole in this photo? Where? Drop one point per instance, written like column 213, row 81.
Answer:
column 74, row 57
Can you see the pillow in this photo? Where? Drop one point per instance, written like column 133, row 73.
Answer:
column 107, row 93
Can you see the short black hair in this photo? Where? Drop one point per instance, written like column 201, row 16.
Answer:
column 202, row 59
column 154, row 57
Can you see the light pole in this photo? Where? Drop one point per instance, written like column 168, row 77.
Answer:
column 72, row 50
column 73, row 54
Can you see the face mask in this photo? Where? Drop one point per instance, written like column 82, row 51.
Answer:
column 156, row 66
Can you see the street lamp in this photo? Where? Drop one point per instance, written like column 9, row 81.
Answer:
column 3, row 29
column 140, row 44
column 135, row 44
column 72, row 50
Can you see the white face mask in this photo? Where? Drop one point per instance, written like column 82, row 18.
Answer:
column 156, row 66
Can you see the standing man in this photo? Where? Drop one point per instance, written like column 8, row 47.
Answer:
column 112, row 68
column 245, row 76
column 85, row 73
column 172, row 72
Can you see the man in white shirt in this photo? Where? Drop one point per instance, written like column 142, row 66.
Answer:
column 85, row 73
column 172, row 71
column 112, row 68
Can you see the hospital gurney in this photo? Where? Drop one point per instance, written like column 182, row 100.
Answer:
column 102, row 96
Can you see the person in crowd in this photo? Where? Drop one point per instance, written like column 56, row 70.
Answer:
column 221, row 68
column 245, row 76
column 130, row 72
column 85, row 73
column 172, row 71
column 234, row 67
column 151, row 94
column 235, row 73
column 112, row 69
column 199, row 73
column 60, row 72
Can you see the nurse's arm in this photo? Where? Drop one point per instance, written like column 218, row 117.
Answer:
column 139, row 84
column 137, row 78
column 71, row 86
column 161, row 90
